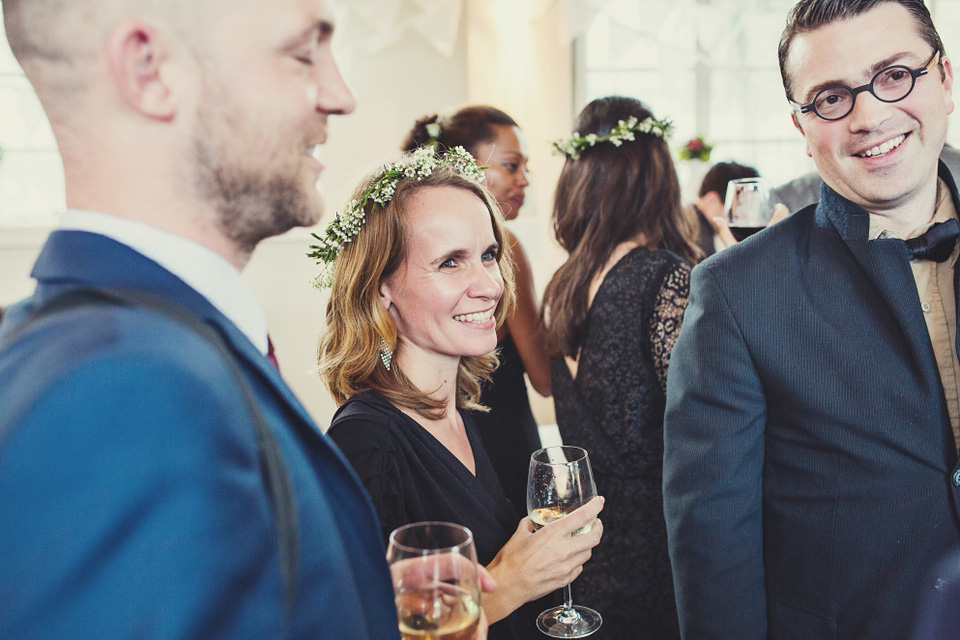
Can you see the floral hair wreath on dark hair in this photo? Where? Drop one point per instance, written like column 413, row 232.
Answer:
column 625, row 130
column 417, row 165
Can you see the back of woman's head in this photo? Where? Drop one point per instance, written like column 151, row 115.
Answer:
column 466, row 128
column 610, row 194
column 358, row 324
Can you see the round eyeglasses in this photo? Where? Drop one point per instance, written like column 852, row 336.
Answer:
column 889, row 85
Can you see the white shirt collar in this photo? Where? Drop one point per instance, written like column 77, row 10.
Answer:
column 211, row 275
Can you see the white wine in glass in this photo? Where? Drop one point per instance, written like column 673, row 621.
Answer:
column 434, row 571
column 561, row 481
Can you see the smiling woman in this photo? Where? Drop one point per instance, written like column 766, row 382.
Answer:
column 509, row 430
column 420, row 282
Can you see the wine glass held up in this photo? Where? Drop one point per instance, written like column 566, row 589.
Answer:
column 561, row 481
column 436, row 581
column 747, row 207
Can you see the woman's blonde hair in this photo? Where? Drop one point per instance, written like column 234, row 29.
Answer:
column 357, row 321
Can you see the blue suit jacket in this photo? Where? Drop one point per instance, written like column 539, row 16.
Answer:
column 939, row 617
column 132, row 503
column 809, row 461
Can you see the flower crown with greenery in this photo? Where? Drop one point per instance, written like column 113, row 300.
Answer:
column 624, row 131
column 414, row 166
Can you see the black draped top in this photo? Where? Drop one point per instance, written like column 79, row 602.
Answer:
column 412, row 477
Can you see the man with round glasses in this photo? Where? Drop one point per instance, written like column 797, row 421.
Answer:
column 813, row 401
column 891, row 84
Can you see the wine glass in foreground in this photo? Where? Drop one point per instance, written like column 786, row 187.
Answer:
column 560, row 481
column 747, row 207
column 434, row 571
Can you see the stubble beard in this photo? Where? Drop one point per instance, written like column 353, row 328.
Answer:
column 251, row 204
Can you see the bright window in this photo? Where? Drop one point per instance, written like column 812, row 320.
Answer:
column 711, row 66
column 31, row 176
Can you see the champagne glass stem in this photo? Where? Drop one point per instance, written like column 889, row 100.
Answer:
column 569, row 615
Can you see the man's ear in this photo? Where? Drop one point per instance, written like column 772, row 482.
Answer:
column 948, row 83
column 796, row 123
column 137, row 55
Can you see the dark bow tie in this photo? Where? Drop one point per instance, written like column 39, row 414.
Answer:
column 936, row 243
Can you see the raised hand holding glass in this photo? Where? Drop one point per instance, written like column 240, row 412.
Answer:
column 561, row 481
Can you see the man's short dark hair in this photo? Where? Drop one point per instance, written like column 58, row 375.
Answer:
column 808, row 15
column 723, row 172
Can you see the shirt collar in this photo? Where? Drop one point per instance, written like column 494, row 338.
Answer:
column 207, row 272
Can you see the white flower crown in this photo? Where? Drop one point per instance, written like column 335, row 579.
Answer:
column 346, row 225
column 624, row 131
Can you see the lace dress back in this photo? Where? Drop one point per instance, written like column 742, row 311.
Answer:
column 614, row 409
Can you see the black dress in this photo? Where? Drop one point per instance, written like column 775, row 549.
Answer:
column 412, row 477
column 614, row 409
column 509, row 430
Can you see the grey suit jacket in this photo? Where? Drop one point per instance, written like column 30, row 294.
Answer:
column 810, row 480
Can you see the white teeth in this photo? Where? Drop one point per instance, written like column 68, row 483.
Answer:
column 881, row 149
column 475, row 317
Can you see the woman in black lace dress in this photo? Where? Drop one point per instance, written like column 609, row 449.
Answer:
column 614, row 310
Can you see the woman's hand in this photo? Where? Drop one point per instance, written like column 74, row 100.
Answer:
column 533, row 564
column 726, row 236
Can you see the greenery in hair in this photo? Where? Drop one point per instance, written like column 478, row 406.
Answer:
column 625, row 131
column 346, row 225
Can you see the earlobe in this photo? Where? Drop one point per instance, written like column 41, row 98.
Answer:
column 136, row 57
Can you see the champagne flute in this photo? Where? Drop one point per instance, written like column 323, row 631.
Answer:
column 747, row 207
column 560, row 481
column 434, row 571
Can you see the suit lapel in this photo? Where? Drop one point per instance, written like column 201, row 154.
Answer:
column 886, row 264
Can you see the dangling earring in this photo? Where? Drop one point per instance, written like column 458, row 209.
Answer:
column 386, row 354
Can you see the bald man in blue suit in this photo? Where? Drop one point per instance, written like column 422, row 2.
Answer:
column 136, row 497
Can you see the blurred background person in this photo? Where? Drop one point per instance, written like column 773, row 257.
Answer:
column 509, row 430
column 411, row 331
column 613, row 313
